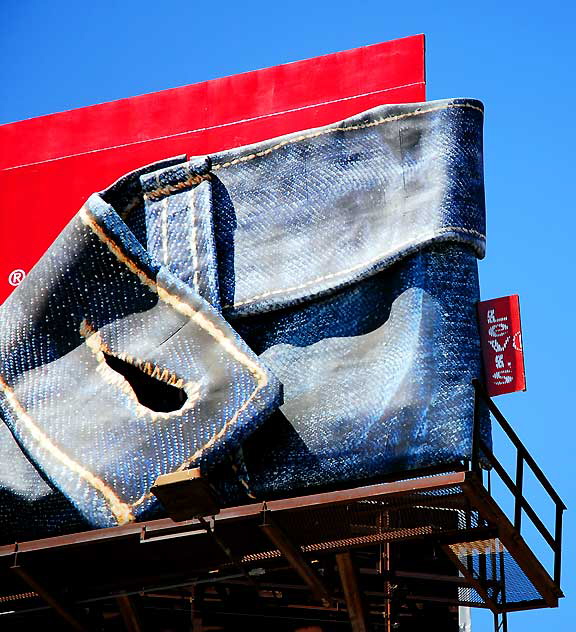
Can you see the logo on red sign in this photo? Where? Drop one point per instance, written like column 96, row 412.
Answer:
column 501, row 338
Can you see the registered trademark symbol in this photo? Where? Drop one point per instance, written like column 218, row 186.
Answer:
column 16, row 277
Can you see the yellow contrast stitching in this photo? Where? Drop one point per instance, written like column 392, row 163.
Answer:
column 197, row 178
column 164, row 227
column 159, row 192
column 352, row 269
column 242, row 479
column 200, row 319
column 210, row 443
column 193, row 240
column 164, row 224
column 122, row 511
column 98, row 347
column 185, row 309
column 349, row 128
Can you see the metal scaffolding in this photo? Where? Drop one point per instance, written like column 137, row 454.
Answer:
column 394, row 555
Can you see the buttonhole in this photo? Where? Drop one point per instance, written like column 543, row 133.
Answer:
column 151, row 392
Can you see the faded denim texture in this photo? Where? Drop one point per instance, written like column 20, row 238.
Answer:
column 302, row 313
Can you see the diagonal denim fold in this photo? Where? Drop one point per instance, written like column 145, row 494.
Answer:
column 161, row 329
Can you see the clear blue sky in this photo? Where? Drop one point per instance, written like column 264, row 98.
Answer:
column 517, row 57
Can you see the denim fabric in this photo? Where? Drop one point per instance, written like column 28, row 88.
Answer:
column 294, row 314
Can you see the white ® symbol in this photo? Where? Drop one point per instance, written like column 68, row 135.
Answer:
column 16, row 277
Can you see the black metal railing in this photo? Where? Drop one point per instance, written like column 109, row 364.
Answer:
column 483, row 457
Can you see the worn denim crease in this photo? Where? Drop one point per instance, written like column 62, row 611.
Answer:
column 309, row 299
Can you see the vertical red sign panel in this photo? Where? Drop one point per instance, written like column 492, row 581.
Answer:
column 501, row 337
column 50, row 164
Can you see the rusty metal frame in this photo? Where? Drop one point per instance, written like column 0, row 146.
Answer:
column 166, row 526
column 128, row 613
column 470, row 496
column 352, row 593
column 64, row 610
column 294, row 555
column 482, row 452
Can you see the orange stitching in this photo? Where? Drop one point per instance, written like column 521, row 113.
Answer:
column 194, row 241
column 122, row 511
column 242, row 479
column 352, row 269
column 98, row 347
column 331, row 130
column 200, row 319
column 164, row 228
column 197, row 178
column 210, row 443
column 160, row 192
column 130, row 206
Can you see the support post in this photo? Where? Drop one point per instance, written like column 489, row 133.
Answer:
column 475, row 464
column 195, row 599
column 51, row 600
column 558, row 543
column 351, row 592
column 519, row 489
column 294, row 556
column 128, row 612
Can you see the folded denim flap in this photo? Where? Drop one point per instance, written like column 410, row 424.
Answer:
column 98, row 312
column 322, row 208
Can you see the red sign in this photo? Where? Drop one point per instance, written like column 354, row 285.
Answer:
column 49, row 165
column 501, row 337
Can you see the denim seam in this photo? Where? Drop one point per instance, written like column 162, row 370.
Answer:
column 193, row 239
column 200, row 319
column 445, row 229
column 162, row 191
column 130, row 206
column 211, row 441
column 163, row 223
column 165, row 230
column 242, row 479
column 348, row 128
column 121, row 510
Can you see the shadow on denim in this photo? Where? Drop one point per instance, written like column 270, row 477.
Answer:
column 293, row 315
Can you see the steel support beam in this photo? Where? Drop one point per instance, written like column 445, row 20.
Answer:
column 56, row 604
column 351, row 592
column 195, row 600
column 128, row 612
column 294, row 556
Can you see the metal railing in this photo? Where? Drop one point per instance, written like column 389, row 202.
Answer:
column 482, row 456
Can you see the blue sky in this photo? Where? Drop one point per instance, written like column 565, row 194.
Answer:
column 517, row 57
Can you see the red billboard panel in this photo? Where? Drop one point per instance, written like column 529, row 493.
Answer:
column 49, row 165
column 501, row 338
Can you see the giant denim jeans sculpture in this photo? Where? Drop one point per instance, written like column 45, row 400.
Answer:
column 291, row 315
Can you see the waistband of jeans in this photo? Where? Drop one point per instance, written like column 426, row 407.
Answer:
column 384, row 184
